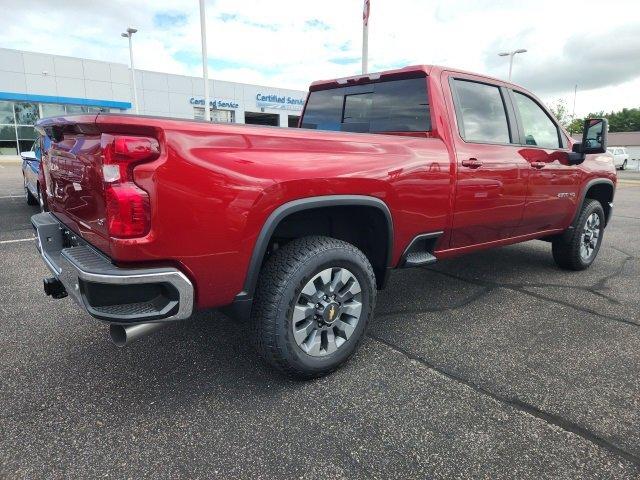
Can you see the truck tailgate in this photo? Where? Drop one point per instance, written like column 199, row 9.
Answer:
column 72, row 168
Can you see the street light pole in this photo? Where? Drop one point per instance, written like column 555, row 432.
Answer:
column 365, row 36
column 511, row 55
column 205, row 66
column 129, row 34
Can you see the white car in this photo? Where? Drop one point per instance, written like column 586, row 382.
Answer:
column 620, row 157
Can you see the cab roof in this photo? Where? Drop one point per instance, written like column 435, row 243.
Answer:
column 411, row 71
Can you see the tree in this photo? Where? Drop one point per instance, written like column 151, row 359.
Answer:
column 561, row 112
column 626, row 120
column 575, row 126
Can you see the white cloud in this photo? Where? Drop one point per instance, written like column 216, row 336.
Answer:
column 290, row 43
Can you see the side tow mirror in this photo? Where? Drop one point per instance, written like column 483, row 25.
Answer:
column 594, row 140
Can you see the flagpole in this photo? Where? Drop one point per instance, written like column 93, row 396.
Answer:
column 205, row 63
column 365, row 37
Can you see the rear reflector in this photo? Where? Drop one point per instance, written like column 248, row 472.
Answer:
column 127, row 205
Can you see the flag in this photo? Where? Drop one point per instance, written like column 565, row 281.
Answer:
column 365, row 12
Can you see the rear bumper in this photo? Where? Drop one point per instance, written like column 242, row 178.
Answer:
column 105, row 291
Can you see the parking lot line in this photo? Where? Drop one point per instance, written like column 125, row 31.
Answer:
column 18, row 240
column 11, row 196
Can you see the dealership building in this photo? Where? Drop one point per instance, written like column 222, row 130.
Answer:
column 37, row 85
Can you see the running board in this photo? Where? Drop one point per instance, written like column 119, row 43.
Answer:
column 420, row 251
column 418, row 259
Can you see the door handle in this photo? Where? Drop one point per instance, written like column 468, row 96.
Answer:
column 471, row 163
column 538, row 164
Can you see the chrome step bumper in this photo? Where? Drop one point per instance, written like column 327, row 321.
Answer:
column 108, row 292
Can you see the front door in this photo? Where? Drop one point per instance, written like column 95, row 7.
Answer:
column 553, row 188
column 491, row 175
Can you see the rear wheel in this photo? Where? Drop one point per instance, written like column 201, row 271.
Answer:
column 578, row 250
column 314, row 299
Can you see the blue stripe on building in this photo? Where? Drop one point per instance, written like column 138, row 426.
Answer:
column 90, row 102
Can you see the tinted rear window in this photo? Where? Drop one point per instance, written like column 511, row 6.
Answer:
column 391, row 106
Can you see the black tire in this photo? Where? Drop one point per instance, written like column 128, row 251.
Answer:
column 567, row 247
column 31, row 200
column 278, row 292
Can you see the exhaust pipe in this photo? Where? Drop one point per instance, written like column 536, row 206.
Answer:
column 125, row 334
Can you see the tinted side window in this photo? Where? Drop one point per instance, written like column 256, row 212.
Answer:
column 539, row 129
column 481, row 113
column 390, row 106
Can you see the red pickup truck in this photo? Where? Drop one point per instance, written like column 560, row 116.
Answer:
column 151, row 219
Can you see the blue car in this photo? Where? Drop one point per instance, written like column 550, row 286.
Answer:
column 31, row 175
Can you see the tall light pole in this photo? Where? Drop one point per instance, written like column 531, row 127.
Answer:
column 129, row 33
column 365, row 36
column 511, row 55
column 205, row 66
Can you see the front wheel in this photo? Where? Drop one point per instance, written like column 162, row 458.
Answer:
column 313, row 302
column 578, row 250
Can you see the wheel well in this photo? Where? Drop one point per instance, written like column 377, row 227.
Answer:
column 365, row 227
column 603, row 193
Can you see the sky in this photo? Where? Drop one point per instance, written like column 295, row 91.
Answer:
column 289, row 43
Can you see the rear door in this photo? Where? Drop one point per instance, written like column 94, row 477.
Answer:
column 491, row 175
column 553, row 185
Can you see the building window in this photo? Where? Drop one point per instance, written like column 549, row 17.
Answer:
column 26, row 113
column 75, row 109
column 222, row 116
column 8, row 140
column 255, row 118
column 17, row 119
column 52, row 110
column 6, row 113
column 16, row 126
column 8, row 144
column 217, row 116
column 293, row 121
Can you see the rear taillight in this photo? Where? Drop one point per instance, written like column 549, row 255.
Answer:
column 127, row 205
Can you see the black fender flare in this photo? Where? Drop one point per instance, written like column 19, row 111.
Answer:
column 241, row 306
column 583, row 196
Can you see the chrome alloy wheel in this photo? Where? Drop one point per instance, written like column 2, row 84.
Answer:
column 327, row 311
column 590, row 236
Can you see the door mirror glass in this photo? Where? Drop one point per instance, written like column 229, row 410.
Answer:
column 594, row 136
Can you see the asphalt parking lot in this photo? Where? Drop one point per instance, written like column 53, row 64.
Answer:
column 493, row 365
